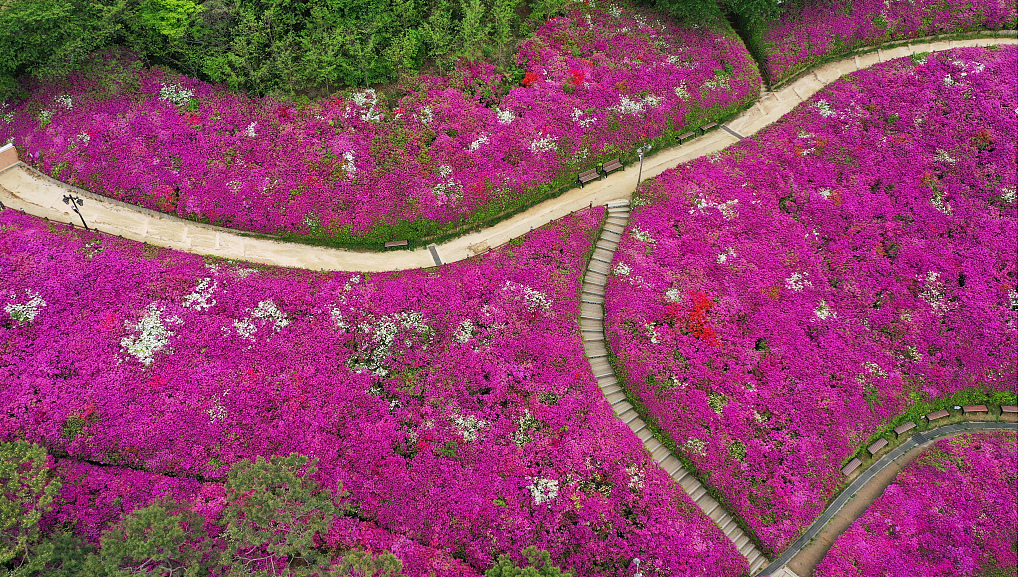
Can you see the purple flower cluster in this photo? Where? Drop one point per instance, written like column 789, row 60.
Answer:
column 774, row 304
column 454, row 404
column 952, row 513
column 354, row 169
column 809, row 32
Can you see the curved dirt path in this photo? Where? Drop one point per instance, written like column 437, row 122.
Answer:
column 28, row 190
column 804, row 555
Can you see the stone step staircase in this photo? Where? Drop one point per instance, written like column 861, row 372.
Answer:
column 592, row 325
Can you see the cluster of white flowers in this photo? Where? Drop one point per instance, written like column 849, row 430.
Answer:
column 426, row 115
column 681, row 92
column 63, row 100
column 695, row 445
column 216, row 410
column 1009, row 194
column 948, row 80
column 673, row 295
column 825, row 108
column 367, row 100
column 542, row 143
column 716, row 83
column 636, row 476
column 823, row 311
column 932, row 293
column 534, row 299
column 153, row 334
column 464, row 332
column 938, row 200
column 527, row 423
column 621, row 269
column 642, row 235
column 383, row 332
column 7, row 116
column 629, row 106
column 543, row 490
column 652, row 333
column 577, row 115
column 615, row 10
column 250, row 130
column 943, row 156
column 83, row 138
column 349, row 163
column 201, row 298
column 476, row 144
column 264, row 310
column 798, row 281
column 25, row 312
column 504, row 116
column 45, row 116
column 469, row 426
column 729, row 252
column 825, row 193
column 175, row 94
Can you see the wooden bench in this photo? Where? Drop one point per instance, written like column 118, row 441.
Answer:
column 936, row 415
column 686, row 136
column 877, row 446
column 1009, row 409
column 851, row 467
column 589, row 175
column 611, row 166
column 976, row 409
column 391, row 243
column 708, row 127
column 904, row 428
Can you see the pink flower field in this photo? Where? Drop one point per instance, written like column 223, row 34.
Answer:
column 811, row 32
column 952, row 513
column 358, row 169
column 453, row 404
column 774, row 305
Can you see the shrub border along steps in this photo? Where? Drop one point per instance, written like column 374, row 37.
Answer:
column 849, row 498
column 594, row 345
column 30, row 191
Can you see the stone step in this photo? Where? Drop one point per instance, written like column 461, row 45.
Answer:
column 615, row 397
column 747, row 548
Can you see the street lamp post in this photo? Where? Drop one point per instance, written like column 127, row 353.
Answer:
column 641, row 151
column 76, row 202
column 635, row 560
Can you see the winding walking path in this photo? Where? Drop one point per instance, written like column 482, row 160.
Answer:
column 800, row 560
column 25, row 189
column 592, row 326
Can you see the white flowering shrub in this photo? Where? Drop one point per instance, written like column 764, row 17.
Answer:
column 152, row 334
column 24, row 313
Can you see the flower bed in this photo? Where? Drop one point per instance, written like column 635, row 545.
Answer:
column 952, row 512
column 355, row 170
column 811, row 32
column 455, row 405
column 774, row 305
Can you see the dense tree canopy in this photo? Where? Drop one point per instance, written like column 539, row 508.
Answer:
column 289, row 46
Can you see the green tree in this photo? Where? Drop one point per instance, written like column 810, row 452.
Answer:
column 27, row 490
column 169, row 17
column 539, row 565
column 165, row 538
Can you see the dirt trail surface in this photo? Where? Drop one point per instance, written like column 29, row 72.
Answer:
column 25, row 189
column 803, row 556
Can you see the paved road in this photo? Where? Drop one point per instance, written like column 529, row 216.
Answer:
column 22, row 188
column 853, row 498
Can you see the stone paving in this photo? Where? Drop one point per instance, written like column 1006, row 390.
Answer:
column 25, row 189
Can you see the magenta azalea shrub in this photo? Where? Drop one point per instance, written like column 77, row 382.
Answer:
column 809, row 32
column 772, row 306
column 454, row 404
column 951, row 513
column 356, row 169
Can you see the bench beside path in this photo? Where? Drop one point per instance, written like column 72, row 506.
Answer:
column 23, row 188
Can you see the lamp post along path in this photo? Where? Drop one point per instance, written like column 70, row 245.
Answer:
column 76, row 202
column 639, row 174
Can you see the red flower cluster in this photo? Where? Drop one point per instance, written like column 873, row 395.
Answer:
column 530, row 79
